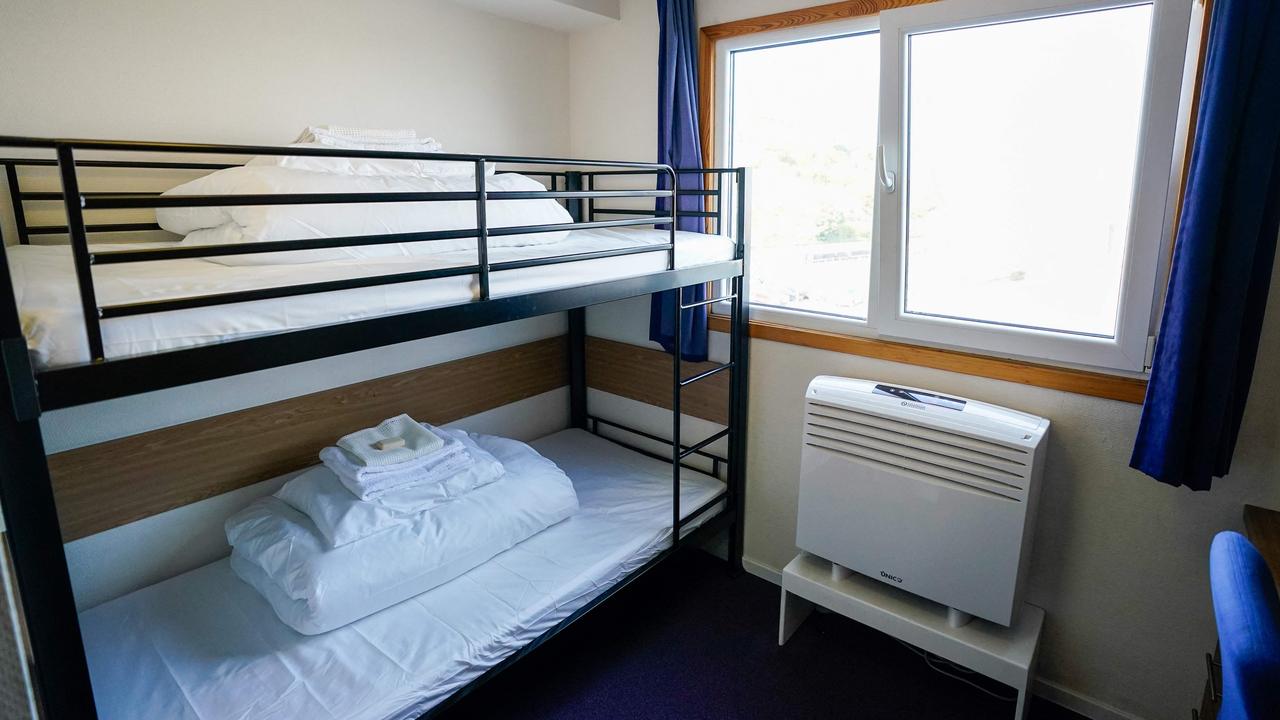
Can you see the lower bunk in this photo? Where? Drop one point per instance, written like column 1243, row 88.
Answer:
column 205, row 646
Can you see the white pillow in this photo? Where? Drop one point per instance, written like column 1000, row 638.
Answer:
column 314, row 588
column 368, row 136
column 263, row 223
column 342, row 518
column 371, row 166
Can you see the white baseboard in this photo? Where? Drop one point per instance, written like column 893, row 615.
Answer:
column 1077, row 702
column 1049, row 690
column 762, row 571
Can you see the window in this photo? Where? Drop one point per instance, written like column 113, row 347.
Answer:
column 1014, row 197
column 813, row 152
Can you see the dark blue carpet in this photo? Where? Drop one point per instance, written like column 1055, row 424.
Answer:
column 689, row 641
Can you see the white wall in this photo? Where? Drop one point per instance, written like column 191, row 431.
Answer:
column 1120, row 561
column 241, row 71
column 258, row 72
column 613, row 71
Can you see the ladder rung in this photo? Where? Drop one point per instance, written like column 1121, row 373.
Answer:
column 712, row 301
column 704, row 375
column 698, row 446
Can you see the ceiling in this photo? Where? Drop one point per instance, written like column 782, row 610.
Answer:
column 563, row 15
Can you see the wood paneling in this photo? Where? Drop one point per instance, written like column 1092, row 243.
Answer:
column 707, row 97
column 1193, row 119
column 645, row 375
column 805, row 16
column 109, row 484
column 1082, row 382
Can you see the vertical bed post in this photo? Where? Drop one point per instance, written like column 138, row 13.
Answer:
column 739, row 348
column 671, row 230
column 677, row 313
column 578, row 368
column 35, row 537
column 577, row 325
column 482, row 228
column 15, row 198
column 72, row 202
column 573, row 183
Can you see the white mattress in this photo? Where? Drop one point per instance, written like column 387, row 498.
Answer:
column 204, row 645
column 45, row 286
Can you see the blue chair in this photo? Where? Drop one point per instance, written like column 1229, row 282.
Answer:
column 1248, row 614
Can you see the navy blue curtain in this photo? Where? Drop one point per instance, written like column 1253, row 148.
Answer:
column 678, row 146
column 1223, row 259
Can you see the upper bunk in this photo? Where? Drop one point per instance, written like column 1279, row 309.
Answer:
column 279, row 259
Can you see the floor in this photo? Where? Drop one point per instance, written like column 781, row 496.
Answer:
column 688, row 641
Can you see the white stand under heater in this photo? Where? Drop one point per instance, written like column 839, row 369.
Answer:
column 1005, row 654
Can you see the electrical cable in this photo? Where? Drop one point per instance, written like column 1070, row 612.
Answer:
column 930, row 659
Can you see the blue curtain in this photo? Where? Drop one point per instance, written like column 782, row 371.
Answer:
column 678, row 146
column 1223, row 258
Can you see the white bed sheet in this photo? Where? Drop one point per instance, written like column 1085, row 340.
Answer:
column 204, row 646
column 45, row 286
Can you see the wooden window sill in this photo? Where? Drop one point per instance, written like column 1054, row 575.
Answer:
column 1081, row 382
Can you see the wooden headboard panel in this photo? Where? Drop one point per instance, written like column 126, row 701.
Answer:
column 102, row 486
column 644, row 374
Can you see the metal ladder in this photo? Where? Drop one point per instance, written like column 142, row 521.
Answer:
column 680, row 451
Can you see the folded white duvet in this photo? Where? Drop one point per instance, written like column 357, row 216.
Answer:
column 263, row 223
column 314, row 588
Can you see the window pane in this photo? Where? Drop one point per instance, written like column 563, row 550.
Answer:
column 1022, row 143
column 803, row 116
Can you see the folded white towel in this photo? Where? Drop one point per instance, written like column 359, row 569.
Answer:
column 415, row 441
column 343, row 518
column 369, row 483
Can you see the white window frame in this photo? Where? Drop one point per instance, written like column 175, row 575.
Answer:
column 1149, row 219
column 1151, row 209
column 725, row 48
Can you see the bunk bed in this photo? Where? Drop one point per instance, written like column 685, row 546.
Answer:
column 83, row 332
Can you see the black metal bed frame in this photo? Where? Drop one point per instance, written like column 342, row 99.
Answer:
column 30, row 512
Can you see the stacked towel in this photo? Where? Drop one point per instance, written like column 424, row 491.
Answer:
column 369, row 482
column 393, row 441
column 342, row 518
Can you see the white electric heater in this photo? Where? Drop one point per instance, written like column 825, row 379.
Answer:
column 929, row 493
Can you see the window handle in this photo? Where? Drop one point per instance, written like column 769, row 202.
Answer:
column 887, row 178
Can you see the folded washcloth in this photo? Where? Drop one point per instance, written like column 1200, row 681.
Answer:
column 369, row 483
column 403, row 438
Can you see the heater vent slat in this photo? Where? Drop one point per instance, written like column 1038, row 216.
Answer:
column 931, row 474
column 990, row 467
column 997, row 450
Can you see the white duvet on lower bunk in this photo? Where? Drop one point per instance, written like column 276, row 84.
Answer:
column 49, row 303
column 205, row 646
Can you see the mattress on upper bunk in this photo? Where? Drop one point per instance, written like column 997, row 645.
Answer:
column 205, row 645
column 49, row 302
